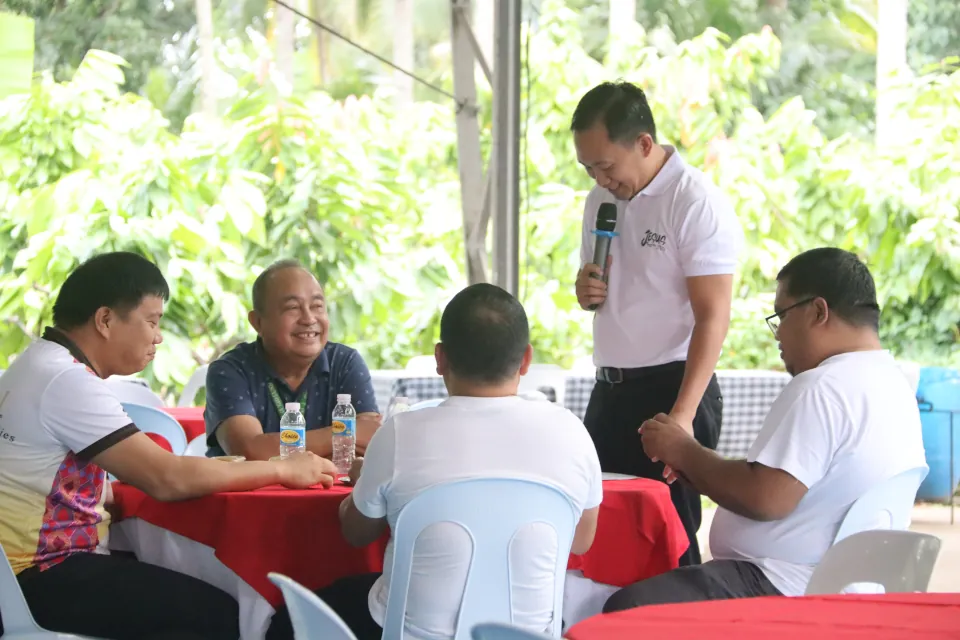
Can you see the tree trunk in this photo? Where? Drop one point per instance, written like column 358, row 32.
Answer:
column 208, row 64
column 891, row 60
column 284, row 35
column 403, row 49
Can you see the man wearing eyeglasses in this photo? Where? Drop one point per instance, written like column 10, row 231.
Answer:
column 847, row 422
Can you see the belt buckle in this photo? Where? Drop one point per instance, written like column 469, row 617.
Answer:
column 608, row 376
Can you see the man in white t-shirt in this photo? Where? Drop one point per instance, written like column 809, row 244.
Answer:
column 847, row 422
column 663, row 312
column 62, row 429
column 483, row 430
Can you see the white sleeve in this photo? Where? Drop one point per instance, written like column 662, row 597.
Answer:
column 710, row 238
column 78, row 409
column 595, row 495
column 370, row 494
column 804, row 441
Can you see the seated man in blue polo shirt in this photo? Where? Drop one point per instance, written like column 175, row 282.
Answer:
column 290, row 361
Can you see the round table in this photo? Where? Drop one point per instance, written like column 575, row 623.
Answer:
column 848, row 617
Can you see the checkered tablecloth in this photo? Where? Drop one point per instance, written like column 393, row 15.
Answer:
column 747, row 396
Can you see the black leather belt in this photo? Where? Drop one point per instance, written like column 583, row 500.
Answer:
column 614, row 375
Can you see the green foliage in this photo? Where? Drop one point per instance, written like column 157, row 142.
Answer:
column 368, row 199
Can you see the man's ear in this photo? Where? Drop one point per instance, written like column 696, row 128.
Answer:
column 443, row 367
column 103, row 320
column 822, row 311
column 254, row 319
column 527, row 360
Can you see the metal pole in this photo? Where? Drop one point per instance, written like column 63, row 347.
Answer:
column 506, row 144
column 953, row 487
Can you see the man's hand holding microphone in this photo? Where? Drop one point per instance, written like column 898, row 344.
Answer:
column 592, row 279
column 591, row 286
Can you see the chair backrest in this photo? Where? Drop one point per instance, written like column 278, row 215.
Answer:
column 500, row 631
column 150, row 420
column 886, row 506
column 17, row 619
column 900, row 561
column 546, row 376
column 312, row 619
column 491, row 511
column 134, row 391
column 196, row 382
column 424, row 404
column 197, row 447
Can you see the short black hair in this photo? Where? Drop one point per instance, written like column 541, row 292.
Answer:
column 260, row 284
column 484, row 333
column 623, row 109
column 119, row 280
column 840, row 278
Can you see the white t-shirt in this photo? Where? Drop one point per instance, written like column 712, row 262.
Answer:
column 679, row 226
column 840, row 429
column 462, row 438
column 56, row 415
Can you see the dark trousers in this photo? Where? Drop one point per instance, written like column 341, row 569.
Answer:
column 615, row 413
column 348, row 598
column 714, row 580
column 119, row 598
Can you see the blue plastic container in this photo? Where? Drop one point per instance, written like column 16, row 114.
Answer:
column 938, row 397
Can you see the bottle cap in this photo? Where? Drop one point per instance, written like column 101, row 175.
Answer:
column 292, row 406
column 343, row 398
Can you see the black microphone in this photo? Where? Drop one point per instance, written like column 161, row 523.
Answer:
column 605, row 232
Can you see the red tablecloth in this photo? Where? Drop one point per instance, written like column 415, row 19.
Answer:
column 297, row 533
column 902, row 616
column 190, row 418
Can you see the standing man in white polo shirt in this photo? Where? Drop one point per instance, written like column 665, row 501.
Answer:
column 664, row 309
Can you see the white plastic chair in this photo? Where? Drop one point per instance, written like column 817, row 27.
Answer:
column 150, row 420
column 424, row 404
column 197, row 447
column 900, row 561
column 312, row 619
column 134, row 391
column 197, row 381
column 546, row 376
column 888, row 505
column 491, row 511
column 18, row 622
column 499, row 631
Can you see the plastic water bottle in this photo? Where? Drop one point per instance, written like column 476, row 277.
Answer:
column 293, row 431
column 344, row 434
column 400, row 404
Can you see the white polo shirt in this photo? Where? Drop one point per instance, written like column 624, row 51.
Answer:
column 840, row 429
column 466, row 438
column 56, row 414
column 679, row 226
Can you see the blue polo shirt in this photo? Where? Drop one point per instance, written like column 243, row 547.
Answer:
column 237, row 386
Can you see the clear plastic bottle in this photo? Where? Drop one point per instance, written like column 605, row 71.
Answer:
column 399, row 404
column 293, row 431
column 344, row 434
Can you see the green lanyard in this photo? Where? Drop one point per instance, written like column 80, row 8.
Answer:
column 272, row 388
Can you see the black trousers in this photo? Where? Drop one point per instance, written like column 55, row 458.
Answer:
column 119, row 598
column 714, row 580
column 615, row 413
column 348, row 598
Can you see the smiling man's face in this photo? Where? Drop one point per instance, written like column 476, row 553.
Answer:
column 294, row 322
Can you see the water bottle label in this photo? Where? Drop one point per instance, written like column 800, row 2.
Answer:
column 345, row 426
column 293, row 436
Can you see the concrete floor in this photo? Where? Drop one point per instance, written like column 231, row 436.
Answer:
column 927, row 518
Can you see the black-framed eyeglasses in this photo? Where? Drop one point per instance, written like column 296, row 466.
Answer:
column 773, row 320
